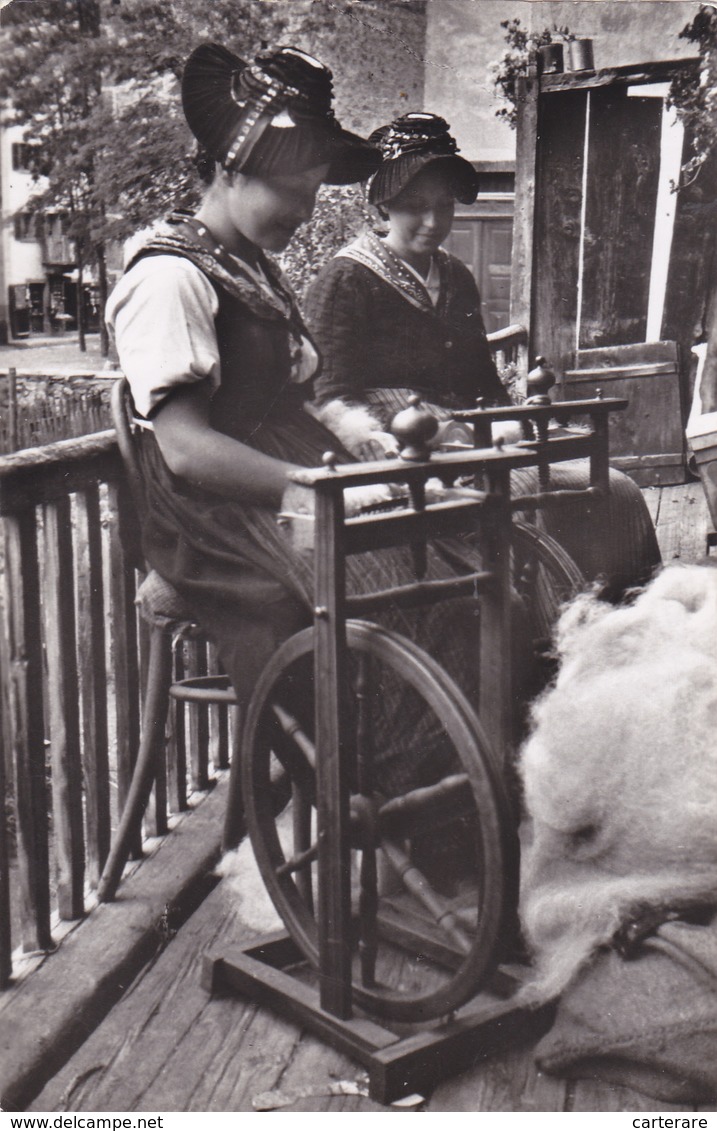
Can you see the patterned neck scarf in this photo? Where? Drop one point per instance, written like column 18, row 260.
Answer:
column 373, row 253
column 265, row 291
column 181, row 234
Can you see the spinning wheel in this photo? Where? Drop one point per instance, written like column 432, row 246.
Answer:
column 451, row 932
column 340, row 845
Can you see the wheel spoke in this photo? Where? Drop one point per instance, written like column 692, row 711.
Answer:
column 427, row 807
column 293, row 748
column 292, row 729
column 438, row 907
column 298, row 862
column 301, row 814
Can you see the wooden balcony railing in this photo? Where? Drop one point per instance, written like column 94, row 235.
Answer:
column 72, row 655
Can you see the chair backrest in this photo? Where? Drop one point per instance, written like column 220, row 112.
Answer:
column 121, row 406
column 509, row 347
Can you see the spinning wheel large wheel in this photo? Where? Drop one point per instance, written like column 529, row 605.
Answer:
column 431, row 863
column 544, row 576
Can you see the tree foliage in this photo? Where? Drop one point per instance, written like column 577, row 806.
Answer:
column 95, row 83
column 514, row 63
column 695, row 97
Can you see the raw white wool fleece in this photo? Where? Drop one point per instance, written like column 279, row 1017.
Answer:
column 620, row 772
column 353, row 424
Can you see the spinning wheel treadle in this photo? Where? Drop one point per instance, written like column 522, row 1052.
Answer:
column 450, row 931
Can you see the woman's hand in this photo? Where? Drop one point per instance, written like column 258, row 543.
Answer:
column 509, row 431
column 297, row 512
column 358, row 499
column 296, row 517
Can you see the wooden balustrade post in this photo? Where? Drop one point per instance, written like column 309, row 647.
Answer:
column 5, row 933
column 13, row 436
column 176, row 740
column 63, row 696
column 92, row 679
column 218, row 722
column 124, row 645
column 27, row 731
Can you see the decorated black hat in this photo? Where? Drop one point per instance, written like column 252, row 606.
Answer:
column 410, row 143
column 270, row 117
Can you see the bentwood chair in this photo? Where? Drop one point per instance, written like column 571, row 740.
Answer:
column 170, row 622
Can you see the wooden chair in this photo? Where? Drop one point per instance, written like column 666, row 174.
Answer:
column 509, row 347
column 170, row 621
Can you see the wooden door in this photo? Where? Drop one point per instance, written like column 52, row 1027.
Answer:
column 607, row 257
column 484, row 243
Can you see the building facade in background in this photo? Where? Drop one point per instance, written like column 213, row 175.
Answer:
column 388, row 57
column 38, row 270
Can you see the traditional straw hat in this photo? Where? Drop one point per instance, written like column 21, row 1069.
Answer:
column 271, row 116
column 410, row 143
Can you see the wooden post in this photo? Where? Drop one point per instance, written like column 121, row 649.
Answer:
column 708, row 386
column 5, row 934
column 124, row 645
column 525, row 187
column 334, row 904
column 496, row 693
column 22, row 627
column 12, row 408
column 92, row 680
column 176, row 739
column 218, row 720
column 63, row 695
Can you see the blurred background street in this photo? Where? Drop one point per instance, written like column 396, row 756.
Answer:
column 59, row 355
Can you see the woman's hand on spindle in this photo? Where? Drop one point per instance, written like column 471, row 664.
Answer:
column 358, row 499
column 509, row 431
column 296, row 517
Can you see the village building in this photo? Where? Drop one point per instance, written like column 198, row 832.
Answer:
column 388, row 56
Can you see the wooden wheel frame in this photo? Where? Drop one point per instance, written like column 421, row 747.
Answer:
column 544, row 575
column 277, row 749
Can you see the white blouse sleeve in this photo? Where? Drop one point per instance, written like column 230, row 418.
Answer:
column 161, row 314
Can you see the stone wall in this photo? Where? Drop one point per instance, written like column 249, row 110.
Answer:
column 375, row 49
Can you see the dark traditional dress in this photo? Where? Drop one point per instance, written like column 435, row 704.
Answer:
column 380, row 334
column 382, row 338
column 230, row 560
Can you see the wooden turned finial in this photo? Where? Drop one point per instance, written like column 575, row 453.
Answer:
column 329, row 460
column 540, row 381
column 414, row 427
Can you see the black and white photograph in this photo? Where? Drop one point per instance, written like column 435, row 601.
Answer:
column 358, row 548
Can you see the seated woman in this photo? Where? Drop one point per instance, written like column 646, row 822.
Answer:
column 395, row 314
column 220, row 365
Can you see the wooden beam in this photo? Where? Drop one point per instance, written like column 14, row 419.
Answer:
column 521, row 305
column 22, row 626
column 63, row 696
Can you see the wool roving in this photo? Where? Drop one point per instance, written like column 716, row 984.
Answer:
column 620, row 772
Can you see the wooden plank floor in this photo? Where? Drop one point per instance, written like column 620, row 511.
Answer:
column 681, row 520
column 168, row 1046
